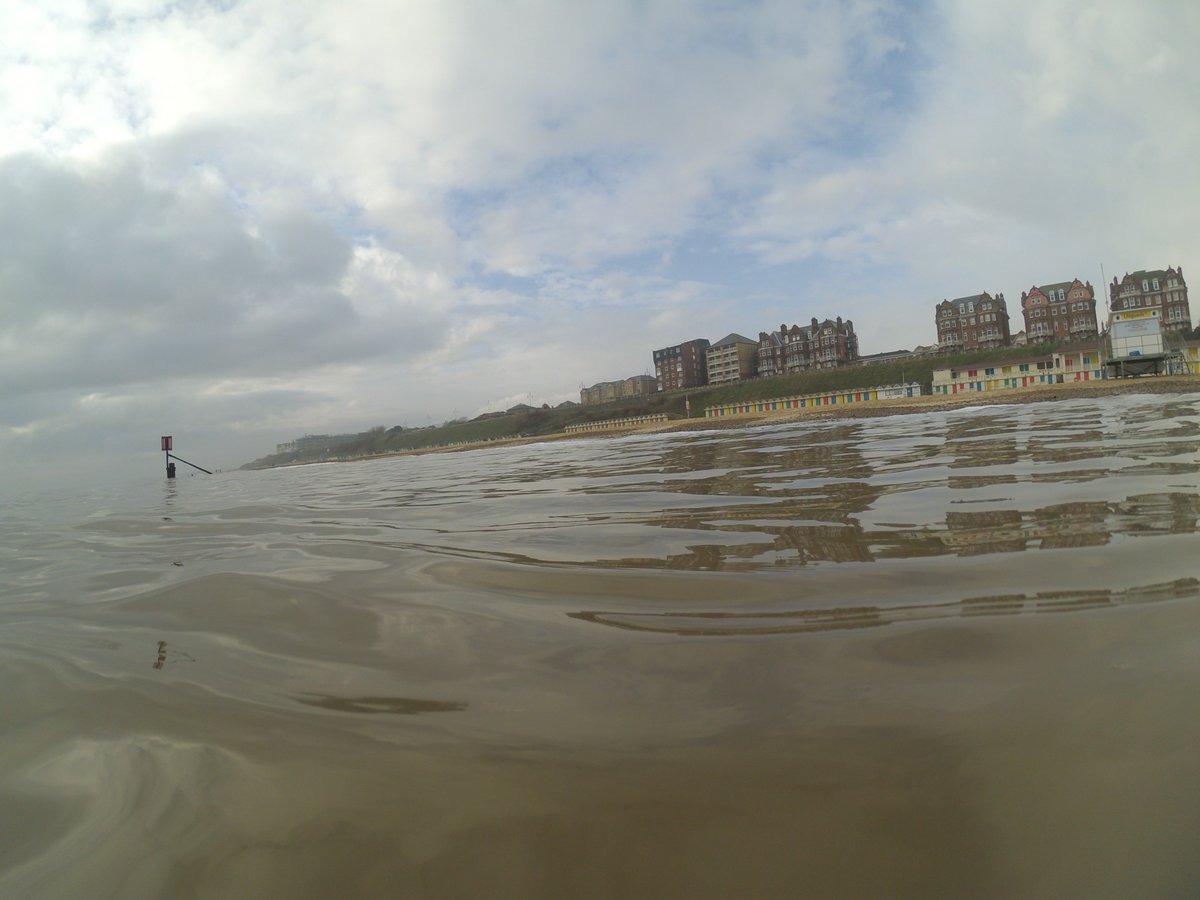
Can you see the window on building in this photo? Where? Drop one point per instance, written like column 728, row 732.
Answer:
column 1156, row 284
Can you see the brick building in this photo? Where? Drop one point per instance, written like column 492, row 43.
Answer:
column 1064, row 311
column 978, row 322
column 733, row 358
column 1162, row 289
column 818, row 345
column 609, row 391
column 681, row 366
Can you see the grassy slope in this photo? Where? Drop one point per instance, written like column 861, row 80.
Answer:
column 552, row 421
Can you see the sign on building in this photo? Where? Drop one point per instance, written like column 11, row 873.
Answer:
column 1137, row 333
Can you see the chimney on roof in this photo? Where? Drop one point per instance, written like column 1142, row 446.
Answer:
column 839, row 320
column 814, row 323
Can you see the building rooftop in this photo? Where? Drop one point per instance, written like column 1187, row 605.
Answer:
column 732, row 338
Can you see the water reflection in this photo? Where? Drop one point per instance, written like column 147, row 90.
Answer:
column 743, row 622
column 837, row 536
column 398, row 706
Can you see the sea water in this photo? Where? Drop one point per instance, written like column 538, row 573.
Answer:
column 929, row 655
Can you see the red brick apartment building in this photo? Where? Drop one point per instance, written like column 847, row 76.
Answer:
column 978, row 322
column 681, row 366
column 1159, row 289
column 1064, row 311
column 818, row 345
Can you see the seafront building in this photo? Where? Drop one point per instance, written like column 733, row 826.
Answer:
column 1162, row 289
column 800, row 348
column 315, row 442
column 681, row 366
column 1080, row 362
column 733, row 358
column 1063, row 311
column 609, row 391
column 977, row 322
column 886, row 356
column 812, row 401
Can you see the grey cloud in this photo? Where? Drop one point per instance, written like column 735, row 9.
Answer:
column 107, row 278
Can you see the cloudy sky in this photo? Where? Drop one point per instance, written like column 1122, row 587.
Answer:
column 239, row 221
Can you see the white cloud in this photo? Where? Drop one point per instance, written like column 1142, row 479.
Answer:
column 280, row 217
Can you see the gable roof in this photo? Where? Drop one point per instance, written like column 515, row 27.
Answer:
column 732, row 338
column 1058, row 285
column 1148, row 273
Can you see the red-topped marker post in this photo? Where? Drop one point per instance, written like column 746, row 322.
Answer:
column 166, row 448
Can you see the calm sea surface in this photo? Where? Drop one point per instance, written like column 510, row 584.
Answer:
column 952, row 654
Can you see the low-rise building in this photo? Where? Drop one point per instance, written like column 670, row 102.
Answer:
column 977, row 322
column 813, row 401
column 733, row 358
column 1063, row 311
column 1079, row 362
column 1162, row 289
column 681, row 366
column 889, row 356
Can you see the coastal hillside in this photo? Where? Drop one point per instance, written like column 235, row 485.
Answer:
column 532, row 422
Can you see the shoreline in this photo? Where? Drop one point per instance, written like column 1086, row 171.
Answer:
column 1165, row 384
column 1160, row 384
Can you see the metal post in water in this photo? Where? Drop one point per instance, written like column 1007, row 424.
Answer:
column 166, row 448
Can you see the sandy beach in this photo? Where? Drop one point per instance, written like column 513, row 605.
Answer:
column 1181, row 384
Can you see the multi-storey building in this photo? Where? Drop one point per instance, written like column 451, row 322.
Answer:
column 1159, row 289
column 608, row 391
column 978, row 322
column 314, row 442
column 681, row 366
column 733, row 358
column 1064, row 311
column 818, row 345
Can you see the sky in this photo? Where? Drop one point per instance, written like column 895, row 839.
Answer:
column 241, row 222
